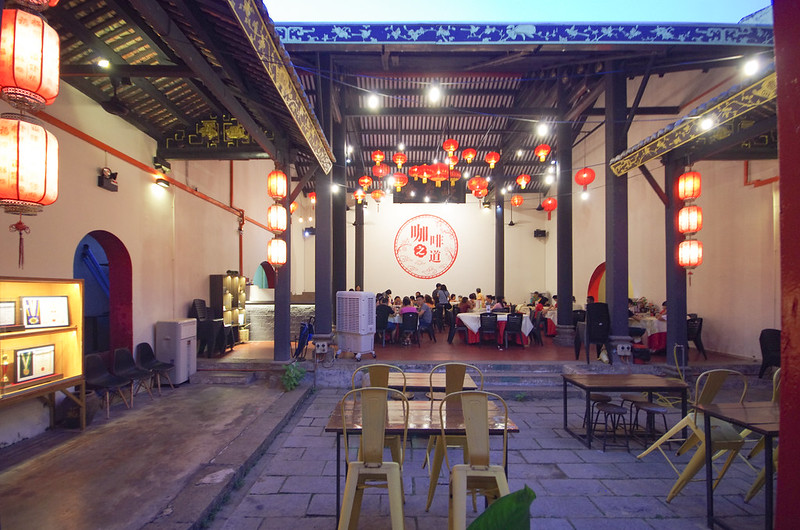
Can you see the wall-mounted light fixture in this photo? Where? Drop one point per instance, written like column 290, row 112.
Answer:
column 107, row 179
column 164, row 183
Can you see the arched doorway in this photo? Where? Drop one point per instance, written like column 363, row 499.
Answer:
column 104, row 264
column 264, row 276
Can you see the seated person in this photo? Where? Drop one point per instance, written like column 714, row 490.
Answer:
column 489, row 299
column 576, row 306
column 407, row 307
column 662, row 315
column 464, row 306
column 499, row 305
column 382, row 313
column 473, row 302
column 425, row 312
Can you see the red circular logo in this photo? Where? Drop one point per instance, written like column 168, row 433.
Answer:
column 426, row 246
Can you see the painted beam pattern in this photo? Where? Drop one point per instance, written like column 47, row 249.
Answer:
column 687, row 129
column 346, row 33
column 255, row 27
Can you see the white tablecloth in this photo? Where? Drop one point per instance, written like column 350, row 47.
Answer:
column 473, row 321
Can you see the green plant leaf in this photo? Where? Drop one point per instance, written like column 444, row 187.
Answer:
column 511, row 512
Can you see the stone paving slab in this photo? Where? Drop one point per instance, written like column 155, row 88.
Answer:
column 576, row 487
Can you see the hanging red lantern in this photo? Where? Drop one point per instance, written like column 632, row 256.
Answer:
column 377, row 195
column 541, row 151
column 477, row 183
column 492, row 159
column 690, row 219
column 450, row 146
column 29, row 172
column 413, row 172
column 690, row 254
column 313, row 197
column 523, row 180
column 469, row 155
column 517, row 200
column 292, row 207
column 276, row 184
column 584, row 177
column 359, row 195
column 276, row 219
column 452, row 161
column 689, row 186
column 399, row 159
column 439, row 173
column 29, row 60
column 549, row 204
column 400, row 180
column 365, row 182
column 378, row 157
column 380, row 170
column 276, row 252
column 455, row 176
column 425, row 172
column 480, row 192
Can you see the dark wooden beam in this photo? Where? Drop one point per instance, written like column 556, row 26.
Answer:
column 126, row 70
column 714, row 148
column 653, row 184
column 532, row 112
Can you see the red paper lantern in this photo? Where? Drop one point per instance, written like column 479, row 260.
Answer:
column 517, row 200
column 455, row 176
column 292, row 207
column 690, row 254
column 480, row 192
column 690, row 219
column 276, row 252
column 492, row 158
column 29, row 60
column 365, row 182
column 689, row 186
column 549, row 204
column 452, row 161
column 469, row 155
column 399, row 159
column 400, row 180
column 450, row 146
column 378, row 157
column 584, row 177
column 359, row 195
column 477, row 183
column 276, row 184
column 413, row 172
column 29, row 172
column 523, row 180
column 439, row 173
column 313, row 197
column 276, row 219
column 541, row 151
column 380, row 170
column 377, row 195
column 425, row 172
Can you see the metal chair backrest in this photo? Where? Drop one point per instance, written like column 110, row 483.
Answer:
column 488, row 322
column 410, row 322
column 776, row 386
column 694, row 327
column 454, row 376
column 472, row 406
column 372, row 418
column 514, row 322
column 709, row 383
column 378, row 375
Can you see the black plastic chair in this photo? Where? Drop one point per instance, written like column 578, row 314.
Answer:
column 488, row 326
column 148, row 361
column 536, row 333
column 595, row 330
column 409, row 327
column 125, row 366
column 694, row 330
column 578, row 315
column 770, row 341
column 100, row 379
column 513, row 327
column 454, row 326
column 210, row 332
column 438, row 317
column 381, row 323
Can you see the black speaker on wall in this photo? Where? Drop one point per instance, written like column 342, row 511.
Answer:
column 540, row 233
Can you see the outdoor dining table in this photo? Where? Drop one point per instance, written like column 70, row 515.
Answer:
column 761, row 417
column 423, row 420
column 590, row 383
column 421, row 381
column 472, row 321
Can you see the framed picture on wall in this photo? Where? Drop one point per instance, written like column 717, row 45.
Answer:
column 8, row 316
column 33, row 363
column 45, row 311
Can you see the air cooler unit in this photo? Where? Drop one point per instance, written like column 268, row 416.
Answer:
column 355, row 323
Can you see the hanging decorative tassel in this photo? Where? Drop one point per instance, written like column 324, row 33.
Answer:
column 22, row 228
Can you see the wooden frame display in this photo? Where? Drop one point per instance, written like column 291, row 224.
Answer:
column 8, row 316
column 45, row 311
column 36, row 362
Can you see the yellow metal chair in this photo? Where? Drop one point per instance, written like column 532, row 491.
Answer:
column 761, row 478
column 454, row 382
column 477, row 476
column 369, row 470
column 378, row 374
column 724, row 435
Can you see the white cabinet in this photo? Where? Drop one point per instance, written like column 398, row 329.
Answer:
column 176, row 343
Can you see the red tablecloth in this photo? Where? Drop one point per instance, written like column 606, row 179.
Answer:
column 474, row 338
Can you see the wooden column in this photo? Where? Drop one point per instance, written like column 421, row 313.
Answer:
column 283, row 294
column 566, row 333
column 499, row 179
column 787, row 61
column 359, row 243
column 323, row 245
column 676, row 275
column 339, row 207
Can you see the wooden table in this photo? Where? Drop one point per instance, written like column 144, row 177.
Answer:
column 619, row 383
column 423, row 420
column 761, row 417
column 421, row 381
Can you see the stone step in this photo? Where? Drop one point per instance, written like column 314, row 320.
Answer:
column 209, row 377
column 521, row 378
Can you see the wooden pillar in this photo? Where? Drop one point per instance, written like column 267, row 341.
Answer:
column 339, row 206
column 359, row 243
column 787, row 61
column 566, row 333
column 499, row 179
column 323, row 247
column 676, row 275
column 283, row 294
